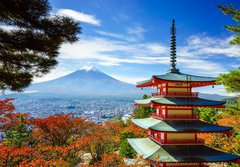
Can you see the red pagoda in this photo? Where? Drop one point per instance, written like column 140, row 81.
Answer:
column 173, row 129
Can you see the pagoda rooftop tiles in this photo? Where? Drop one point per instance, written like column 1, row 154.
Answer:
column 179, row 101
column 179, row 125
column 179, row 77
column 178, row 153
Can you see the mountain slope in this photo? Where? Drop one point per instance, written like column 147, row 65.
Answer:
column 87, row 81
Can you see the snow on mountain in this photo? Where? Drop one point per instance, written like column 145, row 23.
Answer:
column 88, row 68
column 88, row 81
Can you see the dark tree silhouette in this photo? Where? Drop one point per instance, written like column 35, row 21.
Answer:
column 29, row 49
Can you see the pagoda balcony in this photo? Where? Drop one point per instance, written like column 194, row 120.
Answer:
column 177, row 141
column 155, row 115
column 177, row 94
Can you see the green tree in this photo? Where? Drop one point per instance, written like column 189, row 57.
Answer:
column 235, row 14
column 18, row 135
column 231, row 80
column 30, row 48
column 143, row 112
column 207, row 114
column 125, row 149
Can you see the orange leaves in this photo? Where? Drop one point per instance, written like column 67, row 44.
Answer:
column 61, row 140
column 110, row 160
column 233, row 121
column 9, row 118
column 59, row 130
column 11, row 155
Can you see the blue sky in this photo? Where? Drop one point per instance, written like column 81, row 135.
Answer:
column 130, row 39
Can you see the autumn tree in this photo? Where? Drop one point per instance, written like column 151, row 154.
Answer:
column 11, row 156
column 110, row 160
column 98, row 142
column 60, row 130
column 29, row 40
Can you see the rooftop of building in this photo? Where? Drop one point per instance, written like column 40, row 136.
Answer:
column 179, row 125
column 178, row 153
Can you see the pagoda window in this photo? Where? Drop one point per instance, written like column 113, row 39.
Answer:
column 163, row 112
column 155, row 135
column 162, row 136
column 157, row 111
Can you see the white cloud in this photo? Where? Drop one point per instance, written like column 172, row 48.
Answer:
column 109, row 52
column 201, row 66
column 132, row 34
column 56, row 73
column 79, row 16
column 132, row 80
column 195, row 57
column 118, row 36
column 138, row 31
column 199, row 45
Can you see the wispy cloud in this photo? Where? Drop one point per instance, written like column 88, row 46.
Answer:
column 195, row 57
column 79, row 16
column 199, row 45
column 56, row 73
column 138, row 31
column 132, row 34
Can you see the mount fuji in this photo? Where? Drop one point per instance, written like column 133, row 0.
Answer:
column 88, row 81
column 92, row 83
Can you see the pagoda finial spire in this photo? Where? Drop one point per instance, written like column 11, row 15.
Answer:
column 173, row 50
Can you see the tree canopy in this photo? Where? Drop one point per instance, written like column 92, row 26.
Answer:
column 30, row 38
column 235, row 14
column 231, row 80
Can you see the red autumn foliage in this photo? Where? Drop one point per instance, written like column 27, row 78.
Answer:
column 60, row 130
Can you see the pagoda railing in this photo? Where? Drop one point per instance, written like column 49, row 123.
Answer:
column 192, row 94
column 182, row 116
column 178, row 141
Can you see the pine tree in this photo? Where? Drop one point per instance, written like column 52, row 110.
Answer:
column 18, row 134
column 29, row 49
column 235, row 14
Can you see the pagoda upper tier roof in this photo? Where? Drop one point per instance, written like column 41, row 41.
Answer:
column 178, row 153
column 178, row 101
column 171, row 76
column 179, row 125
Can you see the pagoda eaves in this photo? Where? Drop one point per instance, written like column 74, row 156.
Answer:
column 174, row 127
column 179, row 101
column 177, row 154
column 194, row 80
column 179, row 125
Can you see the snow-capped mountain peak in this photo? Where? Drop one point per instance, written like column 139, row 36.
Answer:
column 88, row 68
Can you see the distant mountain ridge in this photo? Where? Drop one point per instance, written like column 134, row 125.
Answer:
column 92, row 83
column 88, row 81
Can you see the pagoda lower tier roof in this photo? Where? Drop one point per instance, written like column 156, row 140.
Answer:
column 179, row 101
column 176, row 77
column 178, row 153
column 179, row 125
